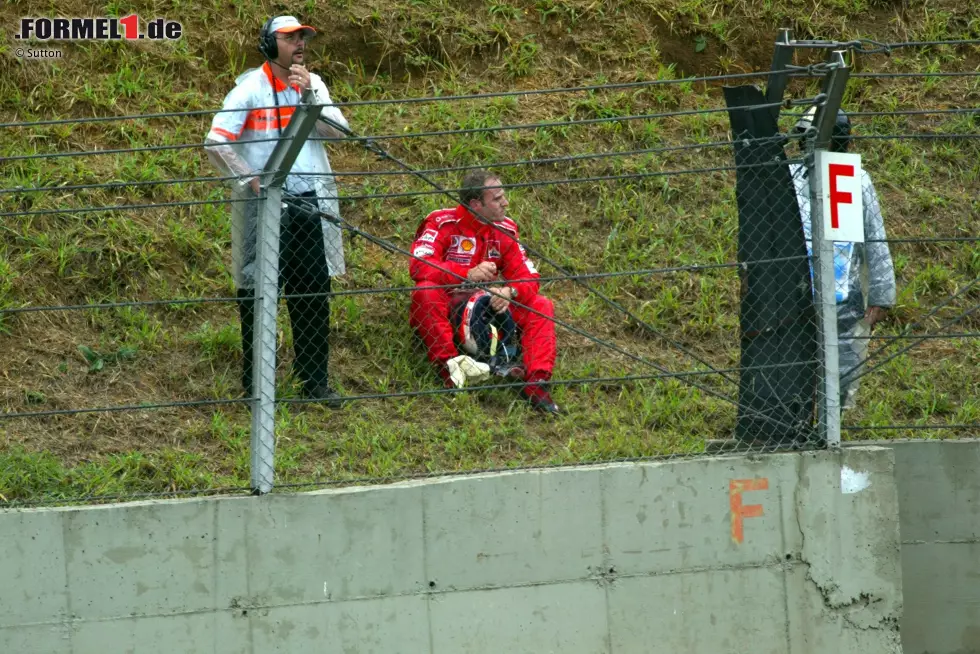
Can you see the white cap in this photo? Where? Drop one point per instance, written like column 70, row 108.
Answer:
column 287, row 24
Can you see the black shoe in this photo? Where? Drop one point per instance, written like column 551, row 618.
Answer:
column 546, row 407
column 325, row 394
column 540, row 399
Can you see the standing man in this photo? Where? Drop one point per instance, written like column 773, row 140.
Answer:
column 241, row 139
column 864, row 275
column 477, row 242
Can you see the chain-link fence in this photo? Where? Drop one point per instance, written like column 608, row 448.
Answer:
column 640, row 272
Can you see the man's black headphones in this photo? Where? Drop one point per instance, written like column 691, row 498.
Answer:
column 267, row 42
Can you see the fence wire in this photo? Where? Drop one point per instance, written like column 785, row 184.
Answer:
column 650, row 298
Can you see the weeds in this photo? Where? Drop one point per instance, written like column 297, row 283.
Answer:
column 98, row 360
column 519, row 60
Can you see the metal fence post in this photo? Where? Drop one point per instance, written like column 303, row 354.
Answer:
column 264, row 344
column 823, row 251
column 782, row 56
column 263, row 438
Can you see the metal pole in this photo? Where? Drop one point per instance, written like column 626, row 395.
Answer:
column 823, row 251
column 263, row 438
column 781, row 57
column 264, row 343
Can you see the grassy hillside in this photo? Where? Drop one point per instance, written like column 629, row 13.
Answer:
column 384, row 49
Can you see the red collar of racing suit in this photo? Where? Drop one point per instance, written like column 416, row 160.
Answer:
column 468, row 220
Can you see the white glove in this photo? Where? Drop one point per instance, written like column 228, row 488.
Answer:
column 463, row 370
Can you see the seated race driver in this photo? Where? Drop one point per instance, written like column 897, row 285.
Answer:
column 476, row 242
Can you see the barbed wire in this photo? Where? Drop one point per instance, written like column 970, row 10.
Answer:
column 143, row 148
column 569, row 158
column 916, row 112
column 911, row 427
column 409, row 135
column 898, row 337
column 568, row 123
column 570, row 180
column 454, row 169
column 405, row 194
column 531, row 92
column 926, row 239
column 919, row 340
column 400, row 394
column 112, row 119
column 639, row 272
column 405, row 289
column 120, row 305
column 916, row 44
column 575, row 89
column 108, row 185
column 627, row 153
column 182, row 404
column 911, row 137
column 902, row 112
column 916, row 325
column 124, row 207
column 425, row 99
column 871, row 46
column 645, row 272
column 370, row 173
column 969, row 73
column 584, row 381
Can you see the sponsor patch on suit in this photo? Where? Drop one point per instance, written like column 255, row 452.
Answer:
column 463, row 245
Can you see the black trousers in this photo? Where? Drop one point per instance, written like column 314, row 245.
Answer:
column 302, row 270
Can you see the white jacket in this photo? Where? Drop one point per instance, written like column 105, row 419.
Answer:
column 246, row 137
column 856, row 265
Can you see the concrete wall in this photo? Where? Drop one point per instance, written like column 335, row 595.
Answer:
column 768, row 554
column 939, row 504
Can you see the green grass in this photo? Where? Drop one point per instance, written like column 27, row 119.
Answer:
column 381, row 49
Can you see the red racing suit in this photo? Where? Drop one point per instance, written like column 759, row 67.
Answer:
column 450, row 242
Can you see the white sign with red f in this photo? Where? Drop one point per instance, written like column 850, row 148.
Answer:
column 839, row 178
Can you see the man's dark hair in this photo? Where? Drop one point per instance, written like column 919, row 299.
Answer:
column 473, row 185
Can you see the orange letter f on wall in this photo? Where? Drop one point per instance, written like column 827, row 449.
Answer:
column 739, row 511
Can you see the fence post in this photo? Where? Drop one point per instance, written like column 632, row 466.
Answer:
column 263, row 444
column 263, row 438
column 782, row 56
column 823, row 251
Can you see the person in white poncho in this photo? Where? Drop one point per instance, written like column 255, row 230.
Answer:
column 241, row 138
column 864, row 275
